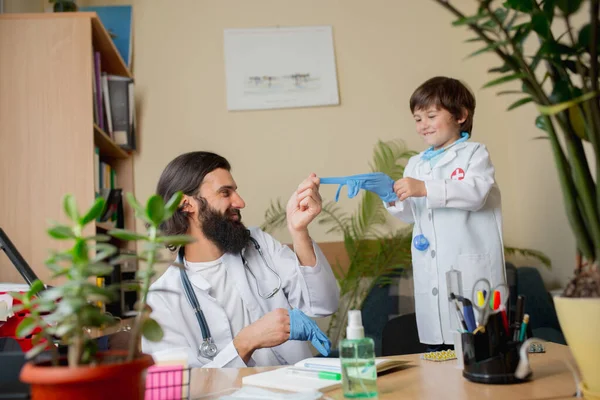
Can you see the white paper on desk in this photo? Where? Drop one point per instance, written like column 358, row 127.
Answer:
column 253, row 393
column 334, row 365
column 14, row 287
column 6, row 302
column 280, row 379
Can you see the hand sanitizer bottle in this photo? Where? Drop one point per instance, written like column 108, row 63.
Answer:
column 357, row 356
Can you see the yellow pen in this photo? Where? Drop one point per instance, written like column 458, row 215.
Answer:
column 480, row 298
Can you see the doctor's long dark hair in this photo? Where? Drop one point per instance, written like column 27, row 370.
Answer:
column 186, row 173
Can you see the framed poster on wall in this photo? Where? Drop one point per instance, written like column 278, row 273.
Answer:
column 268, row 68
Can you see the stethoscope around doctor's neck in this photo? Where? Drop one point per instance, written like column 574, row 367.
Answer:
column 208, row 348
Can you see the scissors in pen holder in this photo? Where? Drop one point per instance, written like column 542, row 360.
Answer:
column 488, row 300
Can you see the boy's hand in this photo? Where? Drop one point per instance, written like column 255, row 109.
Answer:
column 409, row 187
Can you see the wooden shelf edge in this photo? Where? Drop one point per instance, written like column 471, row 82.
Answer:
column 105, row 38
column 107, row 226
column 107, row 146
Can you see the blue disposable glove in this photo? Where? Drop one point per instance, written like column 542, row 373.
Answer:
column 304, row 328
column 376, row 182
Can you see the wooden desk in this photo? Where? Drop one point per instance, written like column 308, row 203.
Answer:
column 421, row 379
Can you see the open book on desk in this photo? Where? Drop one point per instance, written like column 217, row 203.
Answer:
column 280, row 378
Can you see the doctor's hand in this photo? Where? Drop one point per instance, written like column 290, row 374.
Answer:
column 271, row 330
column 304, row 205
column 409, row 187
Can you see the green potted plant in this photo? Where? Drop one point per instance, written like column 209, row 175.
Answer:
column 64, row 314
column 560, row 77
column 374, row 256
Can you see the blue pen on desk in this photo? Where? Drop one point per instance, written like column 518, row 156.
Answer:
column 309, row 373
column 468, row 312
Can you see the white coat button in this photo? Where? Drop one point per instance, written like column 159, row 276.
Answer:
column 432, row 253
column 434, row 291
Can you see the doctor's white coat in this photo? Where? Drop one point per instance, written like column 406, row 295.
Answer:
column 313, row 290
column 461, row 217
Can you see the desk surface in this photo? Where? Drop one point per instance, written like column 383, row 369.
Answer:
column 421, row 379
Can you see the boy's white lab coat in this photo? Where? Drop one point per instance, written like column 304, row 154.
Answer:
column 313, row 290
column 461, row 217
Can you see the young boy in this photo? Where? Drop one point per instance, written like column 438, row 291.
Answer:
column 450, row 194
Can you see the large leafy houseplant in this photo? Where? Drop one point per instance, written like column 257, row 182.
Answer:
column 559, row 74
column 558, row 71
column 65, row 314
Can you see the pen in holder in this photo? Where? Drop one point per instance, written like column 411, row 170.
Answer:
column 491, row 356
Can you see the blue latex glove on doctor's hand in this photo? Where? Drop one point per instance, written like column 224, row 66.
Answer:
column 304, row 328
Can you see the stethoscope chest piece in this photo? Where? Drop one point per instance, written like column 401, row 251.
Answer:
column 208, row 348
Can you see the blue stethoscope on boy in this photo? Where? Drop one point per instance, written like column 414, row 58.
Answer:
column 208, row 348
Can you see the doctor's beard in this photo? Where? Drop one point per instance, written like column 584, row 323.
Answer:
column 228, row 235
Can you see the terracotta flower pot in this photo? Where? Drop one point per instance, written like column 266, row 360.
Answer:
column 118, row 380
column 580, row 322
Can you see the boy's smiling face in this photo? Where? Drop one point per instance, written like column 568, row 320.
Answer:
column 437, row 126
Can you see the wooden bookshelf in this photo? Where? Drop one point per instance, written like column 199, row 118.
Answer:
column 107, row 146
column 47, row 129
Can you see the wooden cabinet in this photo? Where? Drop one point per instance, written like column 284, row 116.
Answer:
column 47, row 130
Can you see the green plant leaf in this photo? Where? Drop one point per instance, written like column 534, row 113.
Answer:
column 577, row 120
column 503, row 79
column 26, row 327
column 519, row 103
column 172, row 205
column 568, row 7
column 548, row 8
column 585, row 36
column 126, row 235
column 152, row 330
column 61, row 232
column 36, row 350
column 98, row 238
column 556, row 108
column 176, row 240
column 503, row 69
column 103, row 251
column 535, row 254
column 540, row 122
column 80, row 252
column 35, row 288
column 470, row 20
column 124, row 258
column 70, row 207
column 94, row 212
column 489, row 47
column 100, row 269
column 155, row 209
column 140, row 212
column 64, row 329
column 520, row 5
column 540, row 24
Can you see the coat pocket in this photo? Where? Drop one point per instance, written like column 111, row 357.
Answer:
column 473, row 267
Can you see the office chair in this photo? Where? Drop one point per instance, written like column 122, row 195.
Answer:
column 400, row 336
column 12, row 360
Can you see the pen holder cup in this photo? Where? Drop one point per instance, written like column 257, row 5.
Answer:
column 490, row 357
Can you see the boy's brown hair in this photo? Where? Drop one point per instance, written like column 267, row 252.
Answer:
column 447, row 93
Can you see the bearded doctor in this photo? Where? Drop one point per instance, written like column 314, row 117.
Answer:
column 243, row 299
